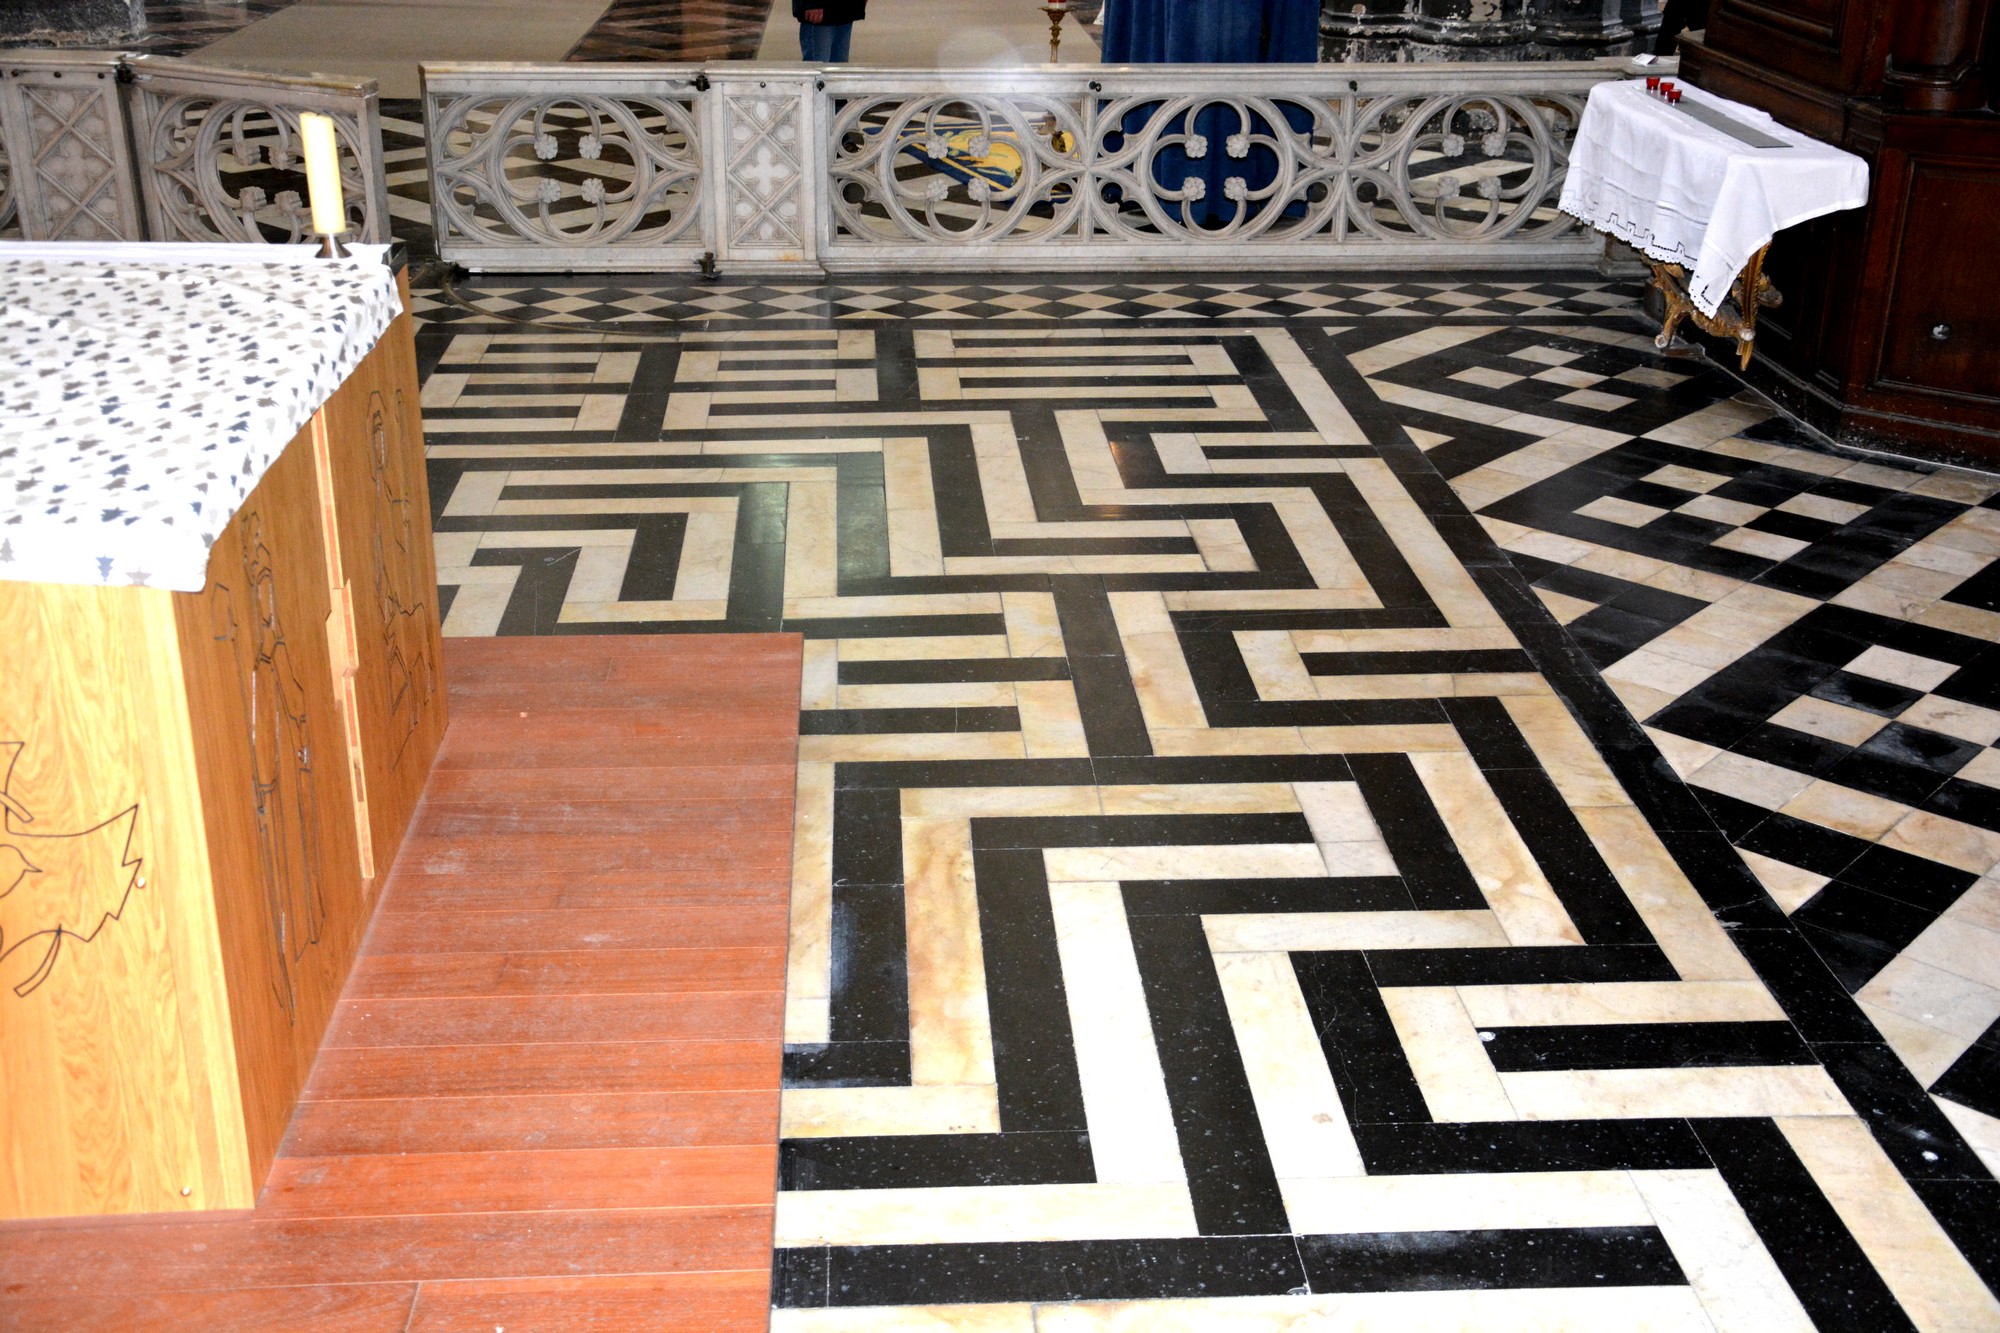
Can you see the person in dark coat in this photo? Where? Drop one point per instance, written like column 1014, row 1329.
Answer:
column 826, row 28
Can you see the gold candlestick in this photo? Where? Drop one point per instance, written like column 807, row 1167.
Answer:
column 1057, row 10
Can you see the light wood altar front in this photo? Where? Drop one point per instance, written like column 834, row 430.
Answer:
column 198, row 792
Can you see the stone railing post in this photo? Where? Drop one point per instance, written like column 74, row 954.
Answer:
column 765, row 163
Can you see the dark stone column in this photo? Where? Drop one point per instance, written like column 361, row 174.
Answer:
column 70, row 22
column 1433, row 30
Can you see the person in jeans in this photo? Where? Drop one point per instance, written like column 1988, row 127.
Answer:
column 826, row 28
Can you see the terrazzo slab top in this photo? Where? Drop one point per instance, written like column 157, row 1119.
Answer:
column 145, row 389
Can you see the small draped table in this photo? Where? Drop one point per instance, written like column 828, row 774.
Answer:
column 1700, row 189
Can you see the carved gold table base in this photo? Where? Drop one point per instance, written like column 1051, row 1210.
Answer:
column 1735, row 318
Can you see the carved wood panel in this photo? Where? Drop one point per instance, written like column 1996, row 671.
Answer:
column 276, row 795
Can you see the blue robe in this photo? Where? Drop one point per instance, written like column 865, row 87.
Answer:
column 1211, row 32
column 1239, row 32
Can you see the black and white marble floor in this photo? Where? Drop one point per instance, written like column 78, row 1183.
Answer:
column 1369, row 802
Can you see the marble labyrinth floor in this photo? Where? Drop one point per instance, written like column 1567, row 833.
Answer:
column 1365, row 803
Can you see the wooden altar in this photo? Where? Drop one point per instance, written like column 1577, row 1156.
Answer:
column 198, row 793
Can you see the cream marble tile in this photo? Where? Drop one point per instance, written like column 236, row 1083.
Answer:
column 946, row 646
column 1443, row 577
column 1446, row 1055
column 1010, row 802
column 951, row 1035
column 1622, row 1094
column 1255, row 932
column 1843, row 808
column 1694, row 583
column 1934, row 997
column 1932, row 1281
column 1166, row 691
column 907, row 1319
column 1573, row 763
column 1222, row 546
column 1282, row 860
column 1980, row 904
column 1183, row 741
column 481, row 602
column 1642, row 700
column 1685, row 478
column 1968, row 722
column 1921, row 833
column 1298, row 1107
column 1403, row 640
column 1836, row 722
column 1790, row 886
column 1033, row 629
column 1750, row 780
column 1274, row 664
column 1961, row 947
column 1199, row 798
column 815, row 1113
column 1901, row 668
column 1687, row 932
column 1051, row 725
column 1657, row 671
column 1564, row 607
column 1411, row 738
column 1507, row 874
column 1682, row 754
column 1433, row 686
column 1180, row 453
column 969, row 1214
column 1132, row 1135
column 904, row 604
column 1684, row 643
column 1927, row 1051
column 1573, row 1003
column 1474, row 1201
column 819, row 675
column 1521, row 1310
column 809, row 960
column 1733, row 1275
column 1981, row 1131
column 930, row 694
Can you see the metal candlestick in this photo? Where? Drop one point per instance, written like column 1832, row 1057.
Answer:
column 1057, row 10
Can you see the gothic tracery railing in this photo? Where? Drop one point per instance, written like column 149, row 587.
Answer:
column 849, row 169
column 100, row 145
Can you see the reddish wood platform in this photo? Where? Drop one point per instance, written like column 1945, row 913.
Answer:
column 549, row 1098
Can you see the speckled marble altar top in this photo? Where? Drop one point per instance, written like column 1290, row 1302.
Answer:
column 144, row 390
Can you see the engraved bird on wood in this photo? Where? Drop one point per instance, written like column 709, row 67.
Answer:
column 56, row 886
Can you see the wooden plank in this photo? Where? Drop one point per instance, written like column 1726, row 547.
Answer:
column 553, row 1018
column 373, row 1308
column 591, row 1119
column 418, row 892
column 739, row 927
column 519, row 1182
column 652, row 1303
column 190, row 1254
column 610, row 1068
column 567, row 971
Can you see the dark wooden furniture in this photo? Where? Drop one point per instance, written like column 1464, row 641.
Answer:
column 1889, row 335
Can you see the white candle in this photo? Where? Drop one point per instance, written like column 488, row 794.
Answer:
column 329, row 211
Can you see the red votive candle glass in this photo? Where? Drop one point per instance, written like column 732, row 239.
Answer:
column 1652, row 83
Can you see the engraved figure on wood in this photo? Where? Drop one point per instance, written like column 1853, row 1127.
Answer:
column 56, row 886
column 399, row 579
column 281, row 758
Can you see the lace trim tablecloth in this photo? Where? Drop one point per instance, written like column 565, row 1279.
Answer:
column 145, row 389
column 1690, row 194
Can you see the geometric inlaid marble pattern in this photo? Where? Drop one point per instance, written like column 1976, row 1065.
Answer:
column 1233, row 887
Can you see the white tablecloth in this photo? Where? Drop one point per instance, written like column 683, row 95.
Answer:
column 1682, row 191
column 145, row 389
